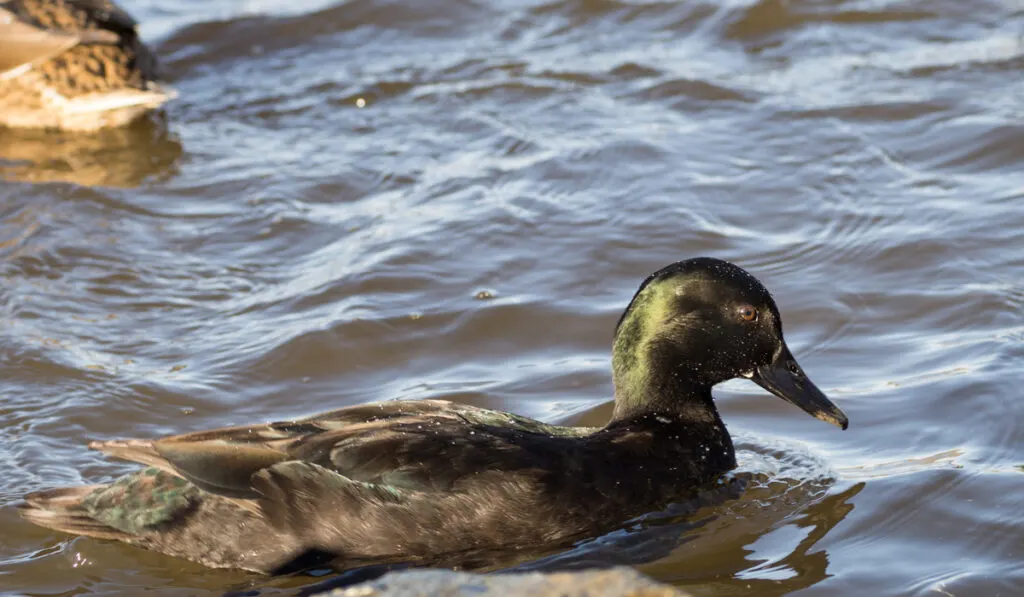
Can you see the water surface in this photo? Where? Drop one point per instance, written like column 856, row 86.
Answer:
column 455, row 199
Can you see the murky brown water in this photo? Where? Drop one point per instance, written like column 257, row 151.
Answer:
column 473, row 231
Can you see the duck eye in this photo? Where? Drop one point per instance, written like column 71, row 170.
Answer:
column 747, row 313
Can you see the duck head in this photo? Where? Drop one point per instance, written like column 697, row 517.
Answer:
column 697, row 323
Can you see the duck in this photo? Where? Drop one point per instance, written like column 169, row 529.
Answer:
column 416, row 481
column 75, row 65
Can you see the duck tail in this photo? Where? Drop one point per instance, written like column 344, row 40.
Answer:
column 132, row 450
column 62, row 510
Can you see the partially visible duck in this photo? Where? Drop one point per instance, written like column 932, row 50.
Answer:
column 422, row 481
column 73, row 65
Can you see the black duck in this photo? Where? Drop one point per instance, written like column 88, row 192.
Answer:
column 411, row 481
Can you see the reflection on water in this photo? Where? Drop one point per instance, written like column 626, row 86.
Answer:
column 362, row 200
column 124, row 157
column 767, row 538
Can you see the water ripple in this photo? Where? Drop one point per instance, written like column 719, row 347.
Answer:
column 373, row 199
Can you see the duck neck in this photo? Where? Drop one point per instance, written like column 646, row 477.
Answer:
column 655, row 376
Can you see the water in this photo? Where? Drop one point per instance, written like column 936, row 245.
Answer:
column 455, row 199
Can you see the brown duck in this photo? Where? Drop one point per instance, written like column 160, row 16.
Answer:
column 424, row 481
column 73, row 65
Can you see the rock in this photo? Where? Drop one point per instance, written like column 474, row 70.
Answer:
column 612, row 582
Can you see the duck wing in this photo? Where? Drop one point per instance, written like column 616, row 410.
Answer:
column 23, row 44
column 426, row 445
column 393, row 481
column 25, row 40
column 34, row 31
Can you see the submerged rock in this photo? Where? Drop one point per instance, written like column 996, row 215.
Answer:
column 613, row 582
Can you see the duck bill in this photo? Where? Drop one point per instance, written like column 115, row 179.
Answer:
column 784, row 378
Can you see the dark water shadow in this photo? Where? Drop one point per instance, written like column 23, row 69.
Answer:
column 200, row 45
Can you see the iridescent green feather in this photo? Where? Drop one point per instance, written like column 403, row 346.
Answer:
column 141, row 500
